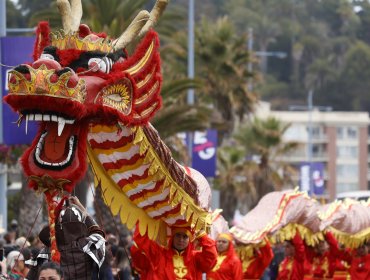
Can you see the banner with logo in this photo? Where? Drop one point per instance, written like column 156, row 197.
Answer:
column 312, row 178
column 14, row 51
column 204, row 150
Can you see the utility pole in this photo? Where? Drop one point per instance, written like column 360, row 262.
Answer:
column 309, row 144
column 190, row 93
column 3, row 166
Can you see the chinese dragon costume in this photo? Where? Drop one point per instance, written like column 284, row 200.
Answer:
column 93, row 103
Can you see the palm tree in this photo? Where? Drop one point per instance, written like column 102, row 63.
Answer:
column 231, row 179
column 223, row 58
column 265, row 139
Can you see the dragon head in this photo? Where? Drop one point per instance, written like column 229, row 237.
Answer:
column 79, row 78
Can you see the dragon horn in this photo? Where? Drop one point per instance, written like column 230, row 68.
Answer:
column 132, row 30
column 141, row 24
column 155, row 14
column 71, row 14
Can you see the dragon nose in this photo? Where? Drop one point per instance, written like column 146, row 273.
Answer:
column 49, row 63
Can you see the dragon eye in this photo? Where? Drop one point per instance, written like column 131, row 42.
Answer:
column 103, row 64
column 47, row 56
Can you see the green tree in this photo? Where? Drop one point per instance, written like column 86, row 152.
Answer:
column 14, row 16
column 222, row 65
column 264, row 138
column 352, row 90
column 232, row 180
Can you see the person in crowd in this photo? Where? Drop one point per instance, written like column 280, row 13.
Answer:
column 15, row 265
column 80, row 241
column 14, row 227
column 255, row 265
column 341, row 265
column 50, row 271
column 122, row 269
column 359, row 262
column 105, row 271
column 278, row 256
column 322, row 257
column 291, row 268
column 228, row 266
column 179, row 260
column 9, row 238
column 2, row 258
column 39, row 257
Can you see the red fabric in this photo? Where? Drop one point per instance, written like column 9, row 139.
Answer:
column 230, row 269
column 42, row 39
column 341, row 270
column 292, row 268
column 156, row 262
column 359, row 265
column 323, row 266
column 260, row 261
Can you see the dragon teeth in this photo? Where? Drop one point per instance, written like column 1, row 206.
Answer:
column 45, row 117
column 61, row 124
column 27, row 118
column 38, row 117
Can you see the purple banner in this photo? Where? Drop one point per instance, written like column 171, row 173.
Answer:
column 312, row 178
column 204, row 152
column 15, row 51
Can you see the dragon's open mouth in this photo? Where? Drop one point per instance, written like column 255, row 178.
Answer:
column 57, row 141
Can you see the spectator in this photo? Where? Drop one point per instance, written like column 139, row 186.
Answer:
column 122, row 269
column 22, row 242
column 50, row 270
column 39, row 256
column 15, row 265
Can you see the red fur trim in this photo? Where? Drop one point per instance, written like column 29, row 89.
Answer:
column 42, row 39
column 24, row 159
column 46, row 104
column 140, row 50
column 80, row 157
column 68, row 56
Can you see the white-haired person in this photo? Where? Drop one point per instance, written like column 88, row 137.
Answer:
column 15, row 265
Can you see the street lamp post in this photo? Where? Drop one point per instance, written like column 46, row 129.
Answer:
column 3, row 167
column 309, row 143
column 190, row 93
column 277, row 54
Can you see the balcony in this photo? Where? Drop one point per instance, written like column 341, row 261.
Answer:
column 301, row 157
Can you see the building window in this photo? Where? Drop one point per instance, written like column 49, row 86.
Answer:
column 352, row 132
column 340, row 132
column 347, row 171
column 316, row 132
column 348, row 132
column 346, row 187
column 347, row 152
